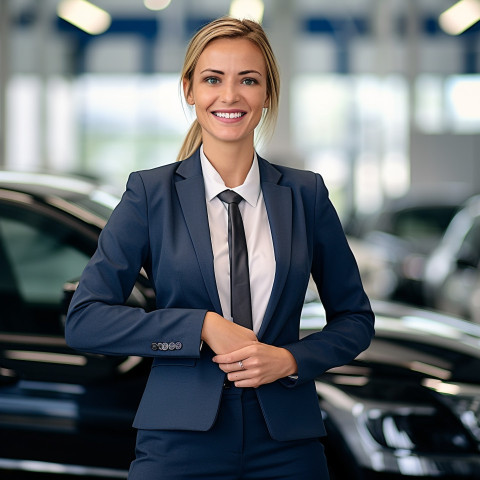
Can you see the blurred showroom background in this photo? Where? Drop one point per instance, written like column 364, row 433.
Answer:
column 382, row 97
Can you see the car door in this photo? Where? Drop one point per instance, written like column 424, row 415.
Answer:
column 57, row 406
column 40, row 250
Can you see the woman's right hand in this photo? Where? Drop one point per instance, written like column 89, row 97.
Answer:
column 224, row 336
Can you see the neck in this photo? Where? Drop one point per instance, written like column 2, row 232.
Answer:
column 231, row 161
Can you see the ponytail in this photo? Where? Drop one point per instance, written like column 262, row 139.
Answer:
column 192, row 141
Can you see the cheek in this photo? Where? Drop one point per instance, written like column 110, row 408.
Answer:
column 202, row 99
column 197, row 111
column 261, row 104
column 262, row 100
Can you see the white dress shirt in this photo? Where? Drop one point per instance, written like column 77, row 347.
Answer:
column 261, row 258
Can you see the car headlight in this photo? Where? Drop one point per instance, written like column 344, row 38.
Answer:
column 468, row 411
column 419, row 429
column 463, row 400
column 411, row 433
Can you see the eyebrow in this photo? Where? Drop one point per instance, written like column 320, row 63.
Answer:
column 219, row 72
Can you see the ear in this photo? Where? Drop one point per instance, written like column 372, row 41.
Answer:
column 267, row 102
column 187, row 92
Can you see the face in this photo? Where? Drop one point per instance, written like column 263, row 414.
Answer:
column 228, row 90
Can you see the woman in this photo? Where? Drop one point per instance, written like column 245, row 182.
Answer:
column 225, row 400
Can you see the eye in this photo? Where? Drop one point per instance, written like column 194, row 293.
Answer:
column 249, row 81
column 212, row 80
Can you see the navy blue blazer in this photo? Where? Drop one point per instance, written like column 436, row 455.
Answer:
column 161, row 224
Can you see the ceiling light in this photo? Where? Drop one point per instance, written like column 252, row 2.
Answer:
column 251, row 9
column 156, row 4
column 85, row 16
column 460, row 17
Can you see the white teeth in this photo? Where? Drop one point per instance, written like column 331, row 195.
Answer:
column 228, row 115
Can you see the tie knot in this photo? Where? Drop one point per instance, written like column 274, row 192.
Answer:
column 229, row 196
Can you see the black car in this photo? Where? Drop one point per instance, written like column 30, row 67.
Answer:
column 408, row 406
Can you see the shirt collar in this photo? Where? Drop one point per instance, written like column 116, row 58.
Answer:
column 249, row 190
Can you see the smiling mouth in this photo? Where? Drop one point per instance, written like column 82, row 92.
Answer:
column 229, row 115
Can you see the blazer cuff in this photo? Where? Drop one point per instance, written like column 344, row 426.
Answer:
column 290, row 381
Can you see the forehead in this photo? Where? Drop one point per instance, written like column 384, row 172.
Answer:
column 232, row 53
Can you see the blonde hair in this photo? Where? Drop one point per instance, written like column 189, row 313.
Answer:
column 229, row 27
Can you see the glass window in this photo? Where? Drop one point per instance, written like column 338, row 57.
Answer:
column 463, row 103
column 353, row 130
column 447, row 104
column 101, row 125
column 129, row 123
column 429, row 104
column 38, row 255
column 428, row 222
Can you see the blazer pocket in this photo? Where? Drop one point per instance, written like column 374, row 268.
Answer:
column 174, row 361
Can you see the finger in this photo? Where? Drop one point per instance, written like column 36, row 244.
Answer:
column 233, row 357
column 240, row 376
column 236, row 356
column 247, row 382
column 232, row 367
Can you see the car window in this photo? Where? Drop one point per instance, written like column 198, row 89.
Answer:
column 38, row 254
column 422, row 222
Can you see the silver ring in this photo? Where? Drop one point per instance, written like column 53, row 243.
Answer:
column 241, row 365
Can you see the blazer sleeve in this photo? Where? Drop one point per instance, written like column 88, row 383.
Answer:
column 350, row 320
column 97, row 319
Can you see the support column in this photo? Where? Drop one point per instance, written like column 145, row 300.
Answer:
column 411, row 73
column 282, row 33
column 4, row 75
column 42, row 34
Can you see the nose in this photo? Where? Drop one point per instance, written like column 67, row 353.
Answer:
column 230, row 93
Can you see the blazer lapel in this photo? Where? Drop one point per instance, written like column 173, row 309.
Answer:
column 278, row 202
column 191, row 193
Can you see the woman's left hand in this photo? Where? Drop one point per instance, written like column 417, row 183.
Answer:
column 257, row 364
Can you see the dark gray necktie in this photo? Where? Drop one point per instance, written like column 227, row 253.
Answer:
column 241, row 304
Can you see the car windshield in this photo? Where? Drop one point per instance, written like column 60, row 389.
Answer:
column 422, row 222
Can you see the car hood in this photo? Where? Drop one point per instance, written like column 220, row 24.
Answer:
column 411, row 344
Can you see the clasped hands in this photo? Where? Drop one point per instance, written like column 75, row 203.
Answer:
column 246, row 361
